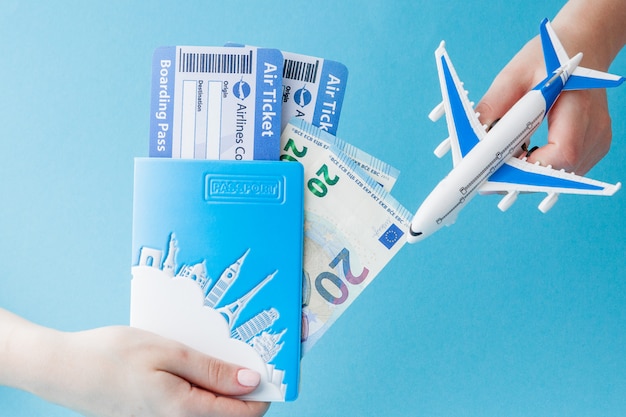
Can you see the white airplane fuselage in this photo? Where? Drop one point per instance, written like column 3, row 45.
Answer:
column 503, row 141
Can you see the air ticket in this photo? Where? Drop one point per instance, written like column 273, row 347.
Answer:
column 216, row 103
column 313, row 90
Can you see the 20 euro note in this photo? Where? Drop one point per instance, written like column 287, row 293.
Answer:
column 380, row 171
column 352, row 229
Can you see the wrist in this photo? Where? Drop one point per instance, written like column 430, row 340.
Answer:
column 593, row 28
column 29, row 357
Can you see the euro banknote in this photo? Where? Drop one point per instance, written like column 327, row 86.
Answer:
column 352, row 229
column 380, row 171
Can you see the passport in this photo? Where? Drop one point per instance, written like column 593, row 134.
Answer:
column 217, row 262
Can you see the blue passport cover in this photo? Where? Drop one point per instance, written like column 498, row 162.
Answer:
column 217, row 262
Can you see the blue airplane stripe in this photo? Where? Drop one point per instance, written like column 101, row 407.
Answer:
column 465, row 133
column 549, row 54
column 510, row 174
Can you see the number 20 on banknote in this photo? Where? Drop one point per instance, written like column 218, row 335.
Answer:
column 352, row 228
column 317, row 185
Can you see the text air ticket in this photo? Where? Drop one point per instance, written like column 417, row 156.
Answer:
column 216, row 103
column 313, row 90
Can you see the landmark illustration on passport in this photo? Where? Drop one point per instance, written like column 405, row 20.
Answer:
column 256, row 330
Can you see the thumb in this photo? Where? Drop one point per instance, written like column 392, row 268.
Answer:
column 503, row 93
column 229, row 379
column 213, row 374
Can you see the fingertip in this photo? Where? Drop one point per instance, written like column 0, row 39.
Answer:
column 248, row 378
column 550, row 155
column 486, row 113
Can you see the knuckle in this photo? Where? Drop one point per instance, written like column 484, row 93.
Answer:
column 216, row 370
column 181, row 353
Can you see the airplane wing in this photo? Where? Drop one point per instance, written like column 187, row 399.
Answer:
column 517, row 175
column 463, row 126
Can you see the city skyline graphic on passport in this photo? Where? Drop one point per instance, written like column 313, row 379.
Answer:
column 256, row 331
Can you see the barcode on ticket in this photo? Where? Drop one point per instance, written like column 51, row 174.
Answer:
column 300, row 71
column 313, row 90
column 215, row 63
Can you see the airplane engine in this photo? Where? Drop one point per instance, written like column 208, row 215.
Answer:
column 508, row 200
column 443, row 148
column 548, row 202
column 437, row 112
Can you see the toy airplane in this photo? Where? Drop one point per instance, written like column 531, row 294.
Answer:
column 487, row 161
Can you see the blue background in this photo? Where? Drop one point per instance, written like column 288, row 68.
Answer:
column 501, row 314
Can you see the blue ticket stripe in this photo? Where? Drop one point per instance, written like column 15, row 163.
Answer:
column 269, row 88
column 330, row 96
column 162, row 103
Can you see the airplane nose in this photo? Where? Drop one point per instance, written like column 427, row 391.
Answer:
column 414, row 233
column 414, row 236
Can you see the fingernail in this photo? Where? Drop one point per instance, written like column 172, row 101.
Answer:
column 248, row 378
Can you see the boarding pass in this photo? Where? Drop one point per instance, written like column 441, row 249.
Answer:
column 216, row 103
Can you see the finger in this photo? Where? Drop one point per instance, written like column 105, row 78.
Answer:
column 579, row 132
column 189, row 399
column 501, row 96
column 563, row 147
column 551, row 155
column 204, row 403
column 515, row 80
column 211, row 373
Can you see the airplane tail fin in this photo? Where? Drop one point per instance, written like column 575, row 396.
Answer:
column 582, row 78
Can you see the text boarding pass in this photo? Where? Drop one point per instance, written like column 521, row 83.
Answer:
column 216, row 103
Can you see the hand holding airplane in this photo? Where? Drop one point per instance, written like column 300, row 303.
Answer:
column 486, row 160
column 579, row 131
